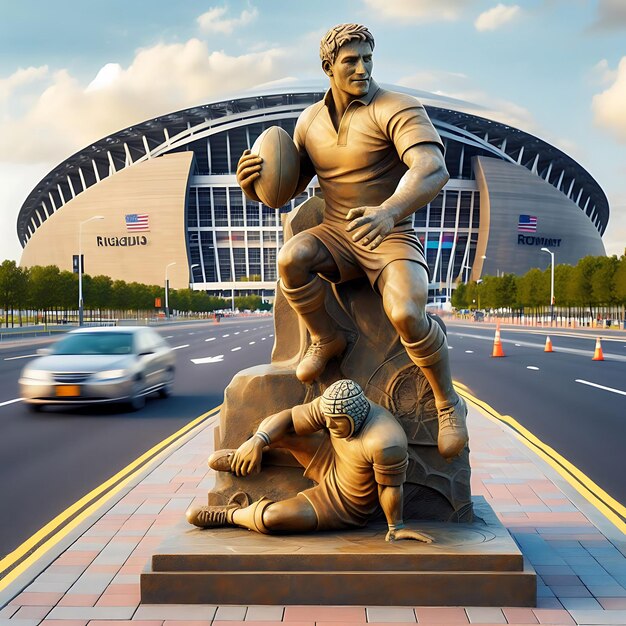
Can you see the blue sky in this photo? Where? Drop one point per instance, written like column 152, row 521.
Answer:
column 72, row 72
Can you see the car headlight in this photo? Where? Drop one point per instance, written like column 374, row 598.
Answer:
column 109, row 374
column 36, row 374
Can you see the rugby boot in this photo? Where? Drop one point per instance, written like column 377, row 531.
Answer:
column 220, row 460
column 216, row 516
column 317, row 356
column 453, row 435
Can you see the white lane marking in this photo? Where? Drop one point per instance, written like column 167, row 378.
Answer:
column 532, row 367
column 237, row 333
column 252, row 343
column 191, row 333
column 449, row 347
column 210, row 339
column 24, row 356
column 263, row 338
column 611, row 389
column 11, row 401
column 469, row 352
column 271, row 335
column 235, row 349
column 517, row 345
column 226, row 335
column 208, row 359
column 185, row 345
column 168, row 337
column 247, row 329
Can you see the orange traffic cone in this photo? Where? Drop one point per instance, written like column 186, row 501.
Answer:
column 548, row 347
column 598, row 355
column 497, row 344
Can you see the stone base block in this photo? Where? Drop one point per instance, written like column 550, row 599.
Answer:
column 475, row 564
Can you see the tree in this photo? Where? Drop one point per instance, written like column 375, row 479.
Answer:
column 602, row 280
column 13, row 288
column 619, row 281
column 43, row 288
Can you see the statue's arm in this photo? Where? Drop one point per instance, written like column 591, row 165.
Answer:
column 247, row 458
column 426, row 176
column 390, row 498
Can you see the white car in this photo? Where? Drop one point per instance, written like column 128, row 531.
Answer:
column 98, row 365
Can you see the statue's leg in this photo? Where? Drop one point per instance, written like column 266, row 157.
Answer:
column 299, row 262
column 292, row 515
column 404, row 288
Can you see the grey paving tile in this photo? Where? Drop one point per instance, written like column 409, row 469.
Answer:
column 90, row 612
column 49, row 587
column 116, row 553
column 184, row 612
column 92, row 583
column 607, row 591
column 265, row 613
column 592, row 580
column 8, row 610
column 577, row 604
column 19, row 622
column 570, row 591
column 230, row 613
column 599, row 617
column 485, row 615
column 387, row 614
column 556, row 570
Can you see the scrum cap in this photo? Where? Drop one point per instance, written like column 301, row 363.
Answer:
column 345, row 398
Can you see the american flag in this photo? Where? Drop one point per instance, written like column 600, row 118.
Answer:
column 136, row 222
column 527, row 224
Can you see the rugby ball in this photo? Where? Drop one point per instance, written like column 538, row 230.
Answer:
column 280, row 169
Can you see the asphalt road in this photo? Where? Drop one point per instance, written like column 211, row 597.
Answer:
column 543, row 391
column 50, row 460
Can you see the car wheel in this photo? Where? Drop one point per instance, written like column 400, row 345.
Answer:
column 138, row 399
column 168, row 387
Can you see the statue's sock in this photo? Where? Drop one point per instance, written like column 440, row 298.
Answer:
column 251, row 517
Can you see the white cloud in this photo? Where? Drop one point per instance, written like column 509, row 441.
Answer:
column 20, row 78
column 215, row 20
column 497, row 16
column 609, row 108
column 611, row 15
column 67, row 115
column 602, row 73
column 416, row 11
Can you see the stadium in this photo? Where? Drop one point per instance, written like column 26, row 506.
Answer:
column 168, row 204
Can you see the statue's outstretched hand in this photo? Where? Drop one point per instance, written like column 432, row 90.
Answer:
column 248, row 170
column 397, row 534
column 247, row 458
column 371, row 224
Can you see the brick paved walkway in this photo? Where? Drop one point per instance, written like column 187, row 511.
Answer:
column 95, row 581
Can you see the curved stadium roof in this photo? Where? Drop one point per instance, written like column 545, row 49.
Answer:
column 454, row 119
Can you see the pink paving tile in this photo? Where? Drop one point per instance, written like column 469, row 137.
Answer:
column 235, row 623
column 63, row 622
column 553, row 616
column 113, row 599
column 515, row 615
column 191, row 623
column 32, row 598
column 78, row 599
column 325, row 614
column 441, row 615
column 102, row 622
column 32, row 612
column 103, row 569
column 117, row 588
column 612, row 604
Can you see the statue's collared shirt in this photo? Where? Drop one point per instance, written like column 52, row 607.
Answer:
column 360, row 162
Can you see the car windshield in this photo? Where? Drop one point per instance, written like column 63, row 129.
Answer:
column 95, row 343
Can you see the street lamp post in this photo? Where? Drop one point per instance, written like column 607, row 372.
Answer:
column 167, row 289
column 80, row 266
column 551, row 283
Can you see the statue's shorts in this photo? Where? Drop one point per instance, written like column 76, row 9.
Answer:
column 355, row 260
column 333, row 509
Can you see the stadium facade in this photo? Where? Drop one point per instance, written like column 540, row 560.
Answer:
column 167, row 191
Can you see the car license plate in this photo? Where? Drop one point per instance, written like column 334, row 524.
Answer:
column 68, row 391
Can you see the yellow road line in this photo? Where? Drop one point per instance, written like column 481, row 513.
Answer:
column 104, row 492
column 593, row 493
